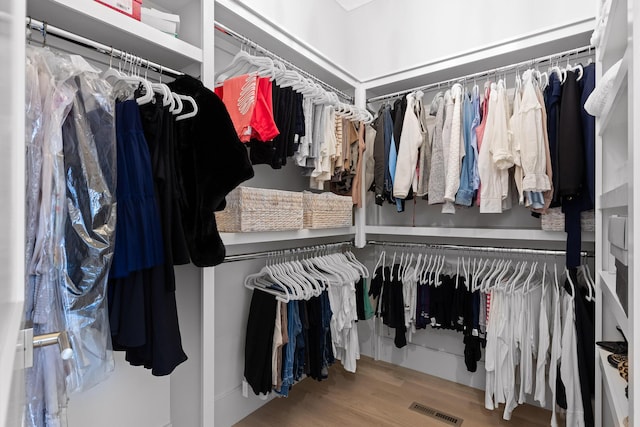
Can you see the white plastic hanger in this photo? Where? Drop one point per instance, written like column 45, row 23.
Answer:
column 177, row 110
column 112, row 73
column 137, row 81
column 254, row 280
column 416, row 271
column 250, row 283
column 308, row 277
column 440, row 267
column 194, row 105
column 489, row 281
column 296, row 271
column 285, row 275
column 273, row 273
column 573, row 288
column 558, row 71
column 238, row 61
column 555, row 278
column 426, row 269
column 375, row 269
column 355, row 260
column 393, row 263
column 161, row 88
column 592, row 282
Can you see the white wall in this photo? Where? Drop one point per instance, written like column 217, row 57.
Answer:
column 422, row 32
column 386, row 36
column 318, row 24
column 130, row 397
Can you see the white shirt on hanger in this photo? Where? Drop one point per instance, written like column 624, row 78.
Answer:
column 569, row 365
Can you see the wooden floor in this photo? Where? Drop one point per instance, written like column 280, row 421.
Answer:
column 379, row 394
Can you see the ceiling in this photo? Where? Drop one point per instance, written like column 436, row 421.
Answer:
column 349, row 5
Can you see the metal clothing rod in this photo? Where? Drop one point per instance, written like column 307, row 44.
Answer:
column 226, row 30
column 46, row 30
column 478, row 248
column 499, row 70
column 285, row 252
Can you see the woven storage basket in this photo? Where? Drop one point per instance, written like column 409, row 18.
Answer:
column 327, row 210
column 553, row 220
column 258, row 209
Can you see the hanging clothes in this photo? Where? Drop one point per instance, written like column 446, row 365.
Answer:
column 456, row 150
column 587, row 85
column 437, row 171
column 142, row 307
column 569, row 369
column 491, row 177
column 89, row 151
column 553, row 95
column 421, row 181
column 241, row 93
column 259, row 342
column 409, row 149
column 210, row 166
column 466, row 190
column 480, row 133
column 532, row 146
column 356, row 194
column 370, row 137
column 69, row 233
column 380, row 158
column 308, row 333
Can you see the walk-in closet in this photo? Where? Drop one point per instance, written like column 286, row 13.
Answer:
column 330, row 212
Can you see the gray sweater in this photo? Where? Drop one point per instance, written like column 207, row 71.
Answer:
column 436, row 173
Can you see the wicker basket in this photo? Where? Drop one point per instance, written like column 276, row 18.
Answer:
column 553, row 220
column 258, row 209
column 327, row 210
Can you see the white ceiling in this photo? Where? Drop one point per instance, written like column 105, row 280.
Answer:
column 349, row 5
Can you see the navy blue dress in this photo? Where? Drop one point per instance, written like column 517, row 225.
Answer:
column 139, row 242
column 142, row 307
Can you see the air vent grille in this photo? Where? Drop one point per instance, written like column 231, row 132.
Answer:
column 434, row 413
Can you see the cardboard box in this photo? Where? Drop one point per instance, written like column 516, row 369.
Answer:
column 130, row 8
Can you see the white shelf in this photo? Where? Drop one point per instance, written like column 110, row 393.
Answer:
column 616, row 198
column 619, row 88
column 475, row 233
column 279, row 236
column 96, row 21
column 610, row 301
column 614, row 386
column 614, row 36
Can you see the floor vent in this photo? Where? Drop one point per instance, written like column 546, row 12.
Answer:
column 434, row 413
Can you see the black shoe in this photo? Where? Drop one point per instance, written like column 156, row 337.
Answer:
column 615, row 359
column 616, row 347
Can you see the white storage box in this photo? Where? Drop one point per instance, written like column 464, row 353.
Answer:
column 553, row 220
column 165, row 22
column 327, row 210
column 618, row 238
column 259, row 209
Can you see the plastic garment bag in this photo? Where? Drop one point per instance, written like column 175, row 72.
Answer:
column 71, row 164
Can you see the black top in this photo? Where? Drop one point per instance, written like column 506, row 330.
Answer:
column 212, row 162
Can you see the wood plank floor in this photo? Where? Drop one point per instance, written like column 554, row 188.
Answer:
column 379, row 394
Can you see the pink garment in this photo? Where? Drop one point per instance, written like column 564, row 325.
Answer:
column 248, row 99
column 262, row 123
column 480, row 132
column 240, row 94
